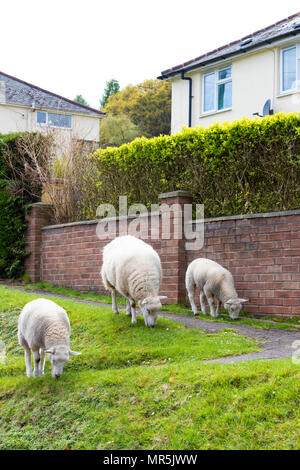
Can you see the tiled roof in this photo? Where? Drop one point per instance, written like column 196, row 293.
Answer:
column 16, row 91
column 279, row 30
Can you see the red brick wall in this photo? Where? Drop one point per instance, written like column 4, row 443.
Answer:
column 262, row 252
column 72, row 255
column 37, row 218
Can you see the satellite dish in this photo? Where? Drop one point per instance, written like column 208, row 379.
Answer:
column 267, row 108
column 267, row 111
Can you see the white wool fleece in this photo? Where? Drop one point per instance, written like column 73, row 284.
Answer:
column 133, row 268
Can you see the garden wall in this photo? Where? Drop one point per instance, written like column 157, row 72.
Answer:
column 262, row 251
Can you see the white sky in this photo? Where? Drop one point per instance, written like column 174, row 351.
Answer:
column 73, row 47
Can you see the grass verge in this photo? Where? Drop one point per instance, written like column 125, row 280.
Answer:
column 272, row 321
column 141, row 388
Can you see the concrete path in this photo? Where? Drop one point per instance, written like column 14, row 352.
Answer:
column 275, row 343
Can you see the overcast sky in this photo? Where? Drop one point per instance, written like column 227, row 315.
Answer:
column 73, row 47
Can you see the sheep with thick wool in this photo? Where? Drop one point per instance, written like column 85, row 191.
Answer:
column 44, row 327
column 133, row 268
column 213, row 281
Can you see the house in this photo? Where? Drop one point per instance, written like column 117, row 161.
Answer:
column 26, row 107
column 259, row 73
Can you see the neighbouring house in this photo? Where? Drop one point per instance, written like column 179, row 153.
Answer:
column 256, row 75
column 26, row 107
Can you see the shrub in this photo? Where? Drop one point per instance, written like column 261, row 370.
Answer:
column 247, row 166
column 18, row 187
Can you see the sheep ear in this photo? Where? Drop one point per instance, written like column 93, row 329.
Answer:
column 243, row 300
column 74, row 353
column 229, row 301
column 162, row 297
column 144, row 302
column 49, row 351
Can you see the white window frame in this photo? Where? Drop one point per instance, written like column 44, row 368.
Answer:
column 217, row 83
column 46, row 124
column 297, row 87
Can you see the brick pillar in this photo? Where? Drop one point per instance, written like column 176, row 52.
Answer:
column 38, row 216
column 173, row 253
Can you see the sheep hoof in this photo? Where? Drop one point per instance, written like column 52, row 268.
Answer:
column 196, row 314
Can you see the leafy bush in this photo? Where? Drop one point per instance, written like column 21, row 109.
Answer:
column 248, row 166
column 17, row 189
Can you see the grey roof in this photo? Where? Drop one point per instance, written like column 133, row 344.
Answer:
column 16, row 91
column 288, row 27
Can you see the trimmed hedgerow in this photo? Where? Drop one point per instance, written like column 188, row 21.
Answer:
column 248, row 166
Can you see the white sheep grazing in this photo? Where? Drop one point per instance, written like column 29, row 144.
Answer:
column 44, row 327
column 132, row 267
column 213, row 281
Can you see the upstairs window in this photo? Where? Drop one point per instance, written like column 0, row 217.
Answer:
column 54, row 119
column 217, row 90
column 290, row 68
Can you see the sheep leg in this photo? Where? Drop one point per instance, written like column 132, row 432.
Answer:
column 28, row 361
column 210, row 301
column 128, row 308
column 218, row 308
column 202, row 302
column 191, row 294
column 42, row 361
column 133, row 312
column 36, row 360
column 114, row 301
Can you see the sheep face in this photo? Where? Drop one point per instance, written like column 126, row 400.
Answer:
column 234, row 306
column 149, row 309
column 58, row 356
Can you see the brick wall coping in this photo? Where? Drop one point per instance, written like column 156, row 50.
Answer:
column 248, row 216
column 174, row 194
column 39, row 204
column 95, row 221
column 212, row 219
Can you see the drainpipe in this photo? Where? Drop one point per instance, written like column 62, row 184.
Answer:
column 190, row 96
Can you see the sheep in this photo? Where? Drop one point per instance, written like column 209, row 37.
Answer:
column 213, row 281
column 44, row 327
column 133, row 268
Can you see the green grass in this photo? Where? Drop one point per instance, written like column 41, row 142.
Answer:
column 141, row 388
column 272, row 321
column 93, row 296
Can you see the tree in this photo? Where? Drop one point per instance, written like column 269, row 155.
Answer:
column 118, row 130
column 112, row 87
column 147, row 105
column 80, row 99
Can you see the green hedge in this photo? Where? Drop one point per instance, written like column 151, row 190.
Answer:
column 248, row 166
column 12, row 218
column 14, row 197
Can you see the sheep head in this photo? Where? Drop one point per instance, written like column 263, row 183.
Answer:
column 150, row 307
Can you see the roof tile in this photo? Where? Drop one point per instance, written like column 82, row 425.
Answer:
column 266, row 35
column 19, row 92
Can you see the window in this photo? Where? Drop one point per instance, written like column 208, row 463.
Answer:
column 217, row 90
column 54, row 119
column 290, row 68
column 41, row 118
